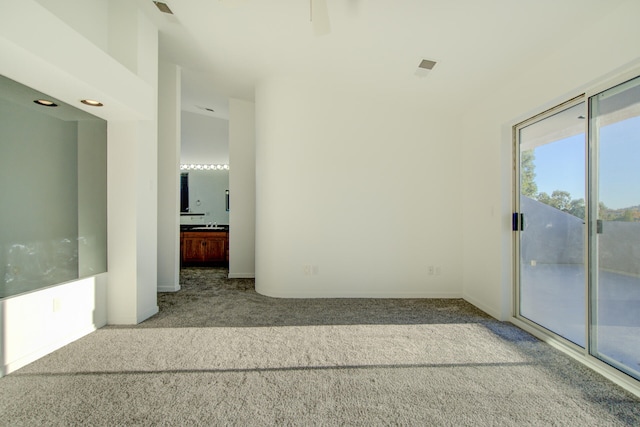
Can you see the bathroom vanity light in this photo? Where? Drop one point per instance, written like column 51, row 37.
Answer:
column 200, row 167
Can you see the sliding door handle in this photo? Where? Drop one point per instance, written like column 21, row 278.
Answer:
column 517, row 221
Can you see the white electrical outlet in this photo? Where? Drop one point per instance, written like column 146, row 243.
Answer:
column 438, row 271
column 430, row 270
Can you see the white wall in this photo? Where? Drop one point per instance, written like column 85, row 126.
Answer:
column 132, row 193
column 362, row 189
column 122, row 223
column 122, row 37
column 146, row 222
column 38, row 323
column 603, row 49
column 168, row 177
column 132, row 221
column 88, row 17
column 205, row 139
column 64, row 64
column 70, row 66
column 242, row 189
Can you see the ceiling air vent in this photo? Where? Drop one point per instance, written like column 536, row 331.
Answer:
column 427, row 65
column 163, row 7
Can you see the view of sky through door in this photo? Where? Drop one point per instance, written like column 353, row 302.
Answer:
column 555, row 163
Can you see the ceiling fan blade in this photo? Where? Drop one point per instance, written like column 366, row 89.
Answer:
column 320, row 17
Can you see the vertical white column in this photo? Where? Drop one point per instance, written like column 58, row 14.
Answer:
column 242, row 189
column 146, row 217
column 147, row 197
column 133, row 177
column 122, row 222
column 168, row 177
column 132, row 222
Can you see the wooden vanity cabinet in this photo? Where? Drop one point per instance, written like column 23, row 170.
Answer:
column 203, row 247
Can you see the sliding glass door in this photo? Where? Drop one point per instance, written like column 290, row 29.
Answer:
column 615, row 232
column 552, row 221
column 577, row 224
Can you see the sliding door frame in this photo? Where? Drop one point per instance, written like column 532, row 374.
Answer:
column 581, row 354
column 582, row 98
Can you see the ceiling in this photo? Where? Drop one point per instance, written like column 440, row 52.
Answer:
column 226, row 46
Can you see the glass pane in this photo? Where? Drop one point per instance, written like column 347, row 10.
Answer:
column 552, row 187
column 615, row 290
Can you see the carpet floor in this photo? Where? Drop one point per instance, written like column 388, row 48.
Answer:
column 220, row 354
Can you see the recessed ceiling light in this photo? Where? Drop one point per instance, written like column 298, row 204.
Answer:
column 163, row 7
column 45, row 103
column 91, row 102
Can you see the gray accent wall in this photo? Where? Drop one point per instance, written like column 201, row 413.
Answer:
column 554, row 237
column 550, row 236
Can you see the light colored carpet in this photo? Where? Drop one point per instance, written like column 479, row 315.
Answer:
column 220, row 354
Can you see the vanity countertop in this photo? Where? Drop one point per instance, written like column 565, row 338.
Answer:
column 203, row 227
